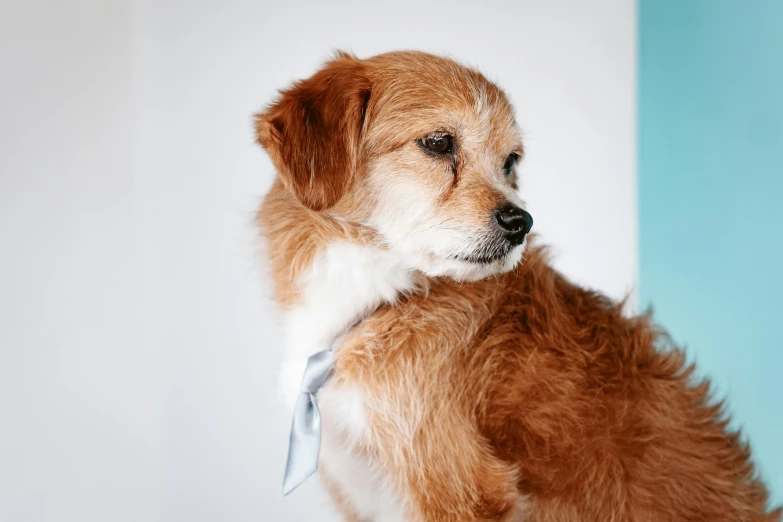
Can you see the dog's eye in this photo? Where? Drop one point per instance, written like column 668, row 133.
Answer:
column 511, row 160
column 438, row 144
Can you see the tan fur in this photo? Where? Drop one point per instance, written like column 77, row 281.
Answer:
column 519, row 396
column 337, row 496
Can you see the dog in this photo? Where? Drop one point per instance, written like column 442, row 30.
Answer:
column 478, row 383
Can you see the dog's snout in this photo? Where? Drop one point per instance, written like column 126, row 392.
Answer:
column 514, row 222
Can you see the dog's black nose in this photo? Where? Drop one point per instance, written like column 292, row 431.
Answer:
column 514, row 221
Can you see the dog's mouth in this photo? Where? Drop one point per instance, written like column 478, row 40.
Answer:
column 480, row 260
column 483, row 258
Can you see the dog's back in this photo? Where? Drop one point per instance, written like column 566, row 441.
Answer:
column 584, row 413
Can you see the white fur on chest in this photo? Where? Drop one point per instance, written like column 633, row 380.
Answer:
column 345, row 282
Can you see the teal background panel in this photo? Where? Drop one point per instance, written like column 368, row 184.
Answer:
column 711, row 200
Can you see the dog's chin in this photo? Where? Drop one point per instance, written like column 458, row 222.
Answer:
column 471, row 268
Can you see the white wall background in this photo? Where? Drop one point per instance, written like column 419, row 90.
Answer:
column 138, row 344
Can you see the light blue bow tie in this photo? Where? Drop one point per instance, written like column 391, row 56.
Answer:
column 305, row 442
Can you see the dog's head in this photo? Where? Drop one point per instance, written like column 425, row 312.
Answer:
column 417, row 147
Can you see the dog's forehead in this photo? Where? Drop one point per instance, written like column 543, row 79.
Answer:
column 415, row 94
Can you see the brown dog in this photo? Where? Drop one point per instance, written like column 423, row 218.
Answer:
column 478, row 385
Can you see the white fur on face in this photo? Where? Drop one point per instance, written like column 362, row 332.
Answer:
column 426, row 216
column 407, row 217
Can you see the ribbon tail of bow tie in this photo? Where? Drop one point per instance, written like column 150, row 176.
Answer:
column 304, row 445
column 305, row 442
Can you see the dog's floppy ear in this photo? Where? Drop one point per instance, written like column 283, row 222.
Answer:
column 312, row 132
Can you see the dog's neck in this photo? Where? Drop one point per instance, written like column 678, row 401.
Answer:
column 327, row 275
column 345, row 282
